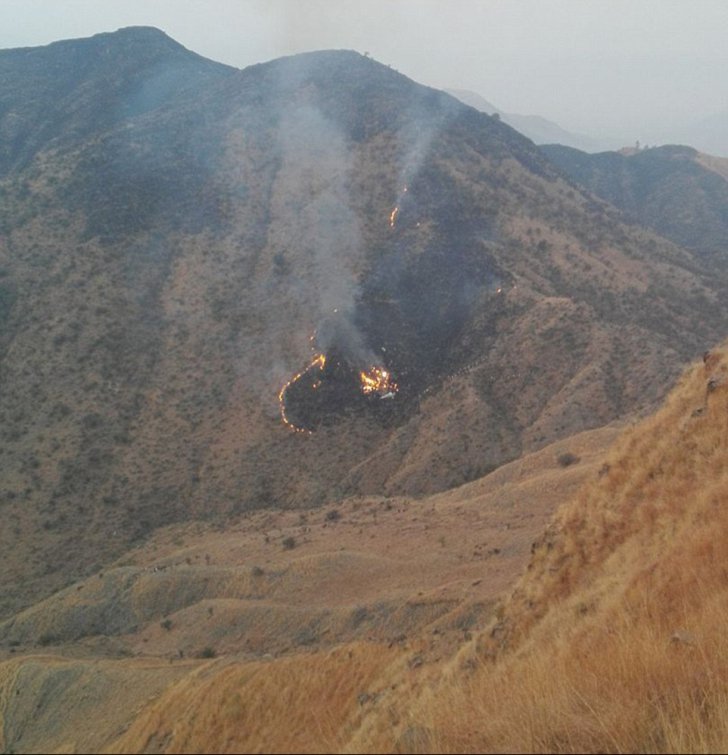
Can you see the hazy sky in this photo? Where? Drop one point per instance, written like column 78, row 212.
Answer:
column 637, row 69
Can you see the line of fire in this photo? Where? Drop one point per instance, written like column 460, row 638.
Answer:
column 327, row 384
column 329, row 377
column 372, row 361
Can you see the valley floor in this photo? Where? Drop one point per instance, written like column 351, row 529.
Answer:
column 317, row 618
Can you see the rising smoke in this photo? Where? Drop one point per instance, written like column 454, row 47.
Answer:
column 322, row 227
column 316, row 216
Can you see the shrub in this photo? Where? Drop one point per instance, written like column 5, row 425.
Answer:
column 567, row 459
column 289, row 543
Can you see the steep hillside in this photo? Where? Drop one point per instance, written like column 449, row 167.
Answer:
column 616, row 629
column 332, row 598
column 168, row 272
column 75, row 89
column 679, row 192
column 612, row 640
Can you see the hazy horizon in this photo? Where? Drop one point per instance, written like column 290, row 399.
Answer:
column 644, row 71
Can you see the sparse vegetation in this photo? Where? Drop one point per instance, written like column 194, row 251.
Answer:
column 111, row 375
column 567, row 458
column 149, row 315
column 618, row 646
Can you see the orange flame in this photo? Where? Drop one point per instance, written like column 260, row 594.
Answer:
column 395, row 211
column 377, row 380
column 374, row 381
column 318, row 361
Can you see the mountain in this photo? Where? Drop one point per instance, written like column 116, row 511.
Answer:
column 359, row 589
column 611, row 639
column 317, row 244
column 537, row 129
column 680, row 193
column 75, row 89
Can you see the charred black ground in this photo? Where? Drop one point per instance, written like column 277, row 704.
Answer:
column 333, row 393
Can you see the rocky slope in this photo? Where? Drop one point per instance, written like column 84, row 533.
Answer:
column 169, row 264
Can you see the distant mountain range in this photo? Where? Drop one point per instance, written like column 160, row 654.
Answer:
column 709, row 134
column 537, row 129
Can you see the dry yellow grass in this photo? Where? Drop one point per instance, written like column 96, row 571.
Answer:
column 52, row 704
column 614, row 640
column 308, row 703
column 359, row 582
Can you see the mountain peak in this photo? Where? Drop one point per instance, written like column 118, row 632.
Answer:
column 146, row 34
column 320, row 64
column 150, row 32
column 68, row 88
column 130, row 36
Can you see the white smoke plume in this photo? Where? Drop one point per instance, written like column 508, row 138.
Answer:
column 322, row 229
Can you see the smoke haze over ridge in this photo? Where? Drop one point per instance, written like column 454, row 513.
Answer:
column 650, row 70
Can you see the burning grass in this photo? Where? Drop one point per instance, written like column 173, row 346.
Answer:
column 374, row 382
column 316, row 367
column 377, row 381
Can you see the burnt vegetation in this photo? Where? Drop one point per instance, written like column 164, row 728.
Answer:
column 168, row 246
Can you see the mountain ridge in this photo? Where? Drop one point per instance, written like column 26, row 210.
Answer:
column 677, row 191
column 537, row 128
column 76, row 86
column 164, row 279
column 297, row 364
